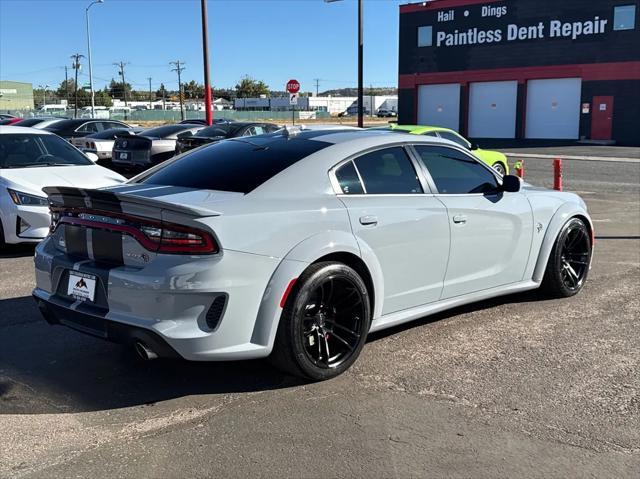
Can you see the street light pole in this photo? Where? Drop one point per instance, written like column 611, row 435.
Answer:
column 93, row 98
column 205, row 53
column 360, row 55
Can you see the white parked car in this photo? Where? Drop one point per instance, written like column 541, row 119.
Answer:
column 298, row 245
column 29, row 161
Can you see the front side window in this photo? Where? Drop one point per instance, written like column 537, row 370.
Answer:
column 624, row 17
column 89, row 128
column 447, row 135
column 425, row 36
column 453, row 172
column 388, row 171
column 348, row 179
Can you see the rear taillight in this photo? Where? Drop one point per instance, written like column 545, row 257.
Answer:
column 157, row 237
column 179, row 239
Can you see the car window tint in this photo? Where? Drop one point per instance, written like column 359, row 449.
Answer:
column 453, row 172
column 388, row 171
column 447, row 135
column 347, row 177
column 88, row 128
column 234, row 165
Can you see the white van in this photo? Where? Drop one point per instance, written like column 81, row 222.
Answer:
column 52, row 109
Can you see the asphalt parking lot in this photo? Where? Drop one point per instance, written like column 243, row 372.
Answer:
column 515, row 386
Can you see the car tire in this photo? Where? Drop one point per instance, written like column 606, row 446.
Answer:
column 499, row 167
column 569, row 261
column 3, row 244
column 324, row 323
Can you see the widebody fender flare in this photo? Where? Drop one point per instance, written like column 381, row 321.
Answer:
column 560, row 217
column 293, row 265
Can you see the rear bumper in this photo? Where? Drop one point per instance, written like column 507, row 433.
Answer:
column 170, row 298
column 95, row 325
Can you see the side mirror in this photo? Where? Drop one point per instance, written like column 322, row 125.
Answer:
column 510, row 184
column 474, row 146
column 92, row 156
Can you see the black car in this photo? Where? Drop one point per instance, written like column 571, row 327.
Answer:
column 82, row 127
column 200, row 121
column 223, row 131
column 150, row 146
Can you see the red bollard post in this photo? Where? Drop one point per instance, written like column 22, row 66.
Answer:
column 519, row 167
column 557, row 174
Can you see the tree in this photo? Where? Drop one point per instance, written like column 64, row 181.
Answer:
column 115, row 89
column 102, row 98
column 250, row 88
column 193, row 89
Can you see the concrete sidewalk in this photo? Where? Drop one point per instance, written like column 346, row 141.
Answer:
column 584, row 153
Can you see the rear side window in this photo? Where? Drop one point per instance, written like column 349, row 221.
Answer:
column 453, row 172
column 234, row 165
column 348, row 179
column 388, row 171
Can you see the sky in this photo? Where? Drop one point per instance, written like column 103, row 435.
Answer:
column 270, row 40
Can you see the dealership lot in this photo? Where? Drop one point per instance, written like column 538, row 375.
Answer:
column 515, row 385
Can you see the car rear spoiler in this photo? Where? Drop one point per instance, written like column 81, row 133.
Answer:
column 111, row 201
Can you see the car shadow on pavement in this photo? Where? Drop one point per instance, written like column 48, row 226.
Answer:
column 53, row 369
column 17, row 251
column 524, row 297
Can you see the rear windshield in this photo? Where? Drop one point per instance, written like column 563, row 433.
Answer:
column 235, row 165
column 110, row 134
column 167, row 130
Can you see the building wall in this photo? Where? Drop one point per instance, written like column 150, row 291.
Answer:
column 606, row 60
column 15, row 95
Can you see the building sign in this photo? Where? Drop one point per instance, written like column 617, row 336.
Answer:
column 511, row 32
column 8, row 91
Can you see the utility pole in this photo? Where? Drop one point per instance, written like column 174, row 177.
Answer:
column 76, row 66
column 150, row 97
column 179, row 66
column 121, row 65
column 317, row 80
column 66, row 84
column 371, row 100
column 205, row 53
column 360, row 74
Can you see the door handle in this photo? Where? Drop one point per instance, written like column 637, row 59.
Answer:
column 368, row 220
column 460, row 219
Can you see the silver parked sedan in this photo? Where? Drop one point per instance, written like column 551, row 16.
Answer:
column 296, row 245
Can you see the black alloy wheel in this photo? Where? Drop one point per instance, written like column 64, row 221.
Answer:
column 569, row 262
column 324, row 323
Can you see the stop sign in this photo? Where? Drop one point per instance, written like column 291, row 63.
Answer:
column 293, row 86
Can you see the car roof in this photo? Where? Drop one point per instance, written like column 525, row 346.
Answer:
column 22, row 130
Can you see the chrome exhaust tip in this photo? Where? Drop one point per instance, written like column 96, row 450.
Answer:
column 144, row 352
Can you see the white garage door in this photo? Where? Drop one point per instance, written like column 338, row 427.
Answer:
column 439, row 105
column 492, row 109
column 553, row 108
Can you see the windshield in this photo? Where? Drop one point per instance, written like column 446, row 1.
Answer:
column 27, row 151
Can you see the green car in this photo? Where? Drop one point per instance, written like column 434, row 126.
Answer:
column 495, row 159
